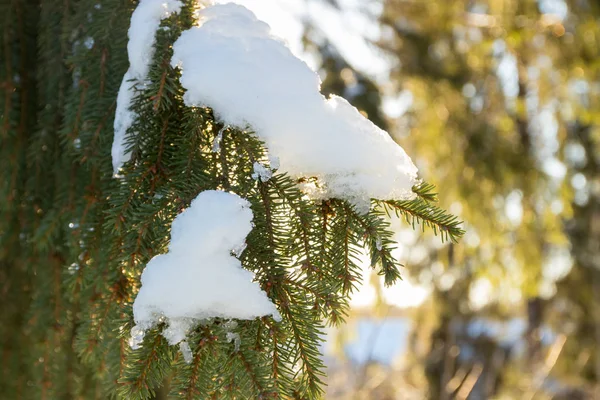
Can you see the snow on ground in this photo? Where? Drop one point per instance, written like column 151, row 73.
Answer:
column 199, row 278
column 145, row 21
column 252, row 79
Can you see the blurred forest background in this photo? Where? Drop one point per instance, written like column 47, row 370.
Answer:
column 498, row 104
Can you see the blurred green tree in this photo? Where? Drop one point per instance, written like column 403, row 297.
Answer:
column 503, row 92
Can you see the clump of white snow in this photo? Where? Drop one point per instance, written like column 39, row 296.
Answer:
column 199, row 278
column 261, row 172
column 145, row 21
column 232, row 63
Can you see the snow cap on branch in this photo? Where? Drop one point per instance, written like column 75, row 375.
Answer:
column 199, row 278
column 145, row 21
column 232, row 63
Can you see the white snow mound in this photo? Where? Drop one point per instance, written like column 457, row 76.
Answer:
column 145, row 21
column 231, row 63
column 199, row 278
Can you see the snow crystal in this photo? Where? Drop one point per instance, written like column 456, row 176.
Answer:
column 261, row 172
column 199, row 278
column 230, row 325
column 137, row 337
column 232, row 336
column 177, row 328
column 145, row 21
column 232, row 63
column 216, row 147
column 235, row 338
column 184, row 347
column 73, row 268
column 239, row 250
column 88, row 42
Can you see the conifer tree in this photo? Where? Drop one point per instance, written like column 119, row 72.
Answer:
column 510, row 95
column 74, row 239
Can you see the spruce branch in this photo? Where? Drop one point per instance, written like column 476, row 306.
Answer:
column 426, row 191
column 377, row 236
column 146, row 368
column 420, row 211
column 193, row 381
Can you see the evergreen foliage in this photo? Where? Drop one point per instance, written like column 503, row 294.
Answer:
column 493, row 146
column 74, row 240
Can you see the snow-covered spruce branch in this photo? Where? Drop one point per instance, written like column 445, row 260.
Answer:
column 266, row 189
